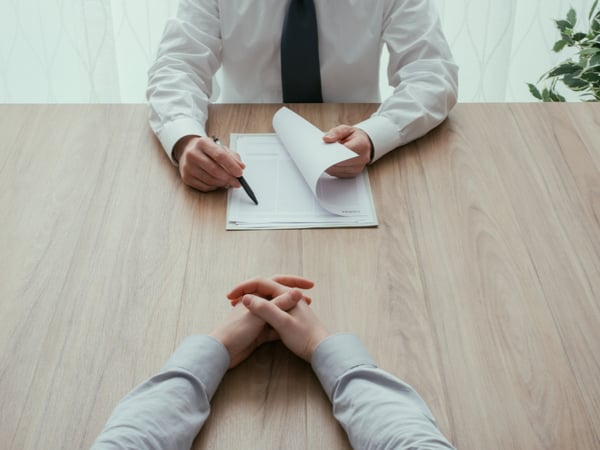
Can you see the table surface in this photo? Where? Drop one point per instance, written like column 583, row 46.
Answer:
column 480, row 287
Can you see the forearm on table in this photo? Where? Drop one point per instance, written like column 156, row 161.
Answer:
column 376, row 409
column 169, row 409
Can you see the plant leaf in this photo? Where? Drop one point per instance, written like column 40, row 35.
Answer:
column 572, row 17
column 590, row 76
column 546, row 95
column 592, row 9
column 559, row 45
column 589, row 51
column 574, row 83
column 567, row 39
column 595, row 60
column 563, row 25
column 534, row 91
column 565, row 69
column 579, row 36
column 555, row 96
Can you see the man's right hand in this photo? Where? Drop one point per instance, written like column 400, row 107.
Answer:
column 206, row 166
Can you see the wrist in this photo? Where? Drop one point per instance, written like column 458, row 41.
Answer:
column 318, row 337
column 180, row 146
column 371, row 151
column 220, row 335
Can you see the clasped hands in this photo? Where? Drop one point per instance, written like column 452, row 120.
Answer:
column 206, row 166
column 267, row 309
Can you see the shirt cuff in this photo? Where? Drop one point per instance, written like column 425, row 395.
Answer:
column 204, row 357
column 171, row 132
column 335, row 356
column 383, row 133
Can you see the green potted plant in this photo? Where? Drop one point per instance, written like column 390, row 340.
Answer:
column 580, row 73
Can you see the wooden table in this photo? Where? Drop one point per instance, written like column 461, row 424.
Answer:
column 480, row 287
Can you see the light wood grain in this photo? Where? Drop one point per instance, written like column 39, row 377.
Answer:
column 480, row 287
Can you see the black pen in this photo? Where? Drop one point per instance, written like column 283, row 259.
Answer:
column 242, row 181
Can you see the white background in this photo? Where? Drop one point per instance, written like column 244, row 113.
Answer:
column 64, row 51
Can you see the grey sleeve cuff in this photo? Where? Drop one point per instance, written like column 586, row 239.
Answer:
column 336, row 355
column 204, row 357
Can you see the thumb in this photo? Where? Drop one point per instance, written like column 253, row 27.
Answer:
column 288, row 300
column 266, row 310
column 236, row 155
column 338, row 133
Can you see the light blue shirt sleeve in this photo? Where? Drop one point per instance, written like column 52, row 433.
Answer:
column 377, row 410
column 168, row 410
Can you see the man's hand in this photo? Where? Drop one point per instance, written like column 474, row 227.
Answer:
column 242, row 332
column 206, row 166
column 356, row 140
column 298, row 328
column 269, row 288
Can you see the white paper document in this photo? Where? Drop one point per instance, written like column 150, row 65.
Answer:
column 286, row 171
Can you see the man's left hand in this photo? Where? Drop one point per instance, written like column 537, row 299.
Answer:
column 356, row 140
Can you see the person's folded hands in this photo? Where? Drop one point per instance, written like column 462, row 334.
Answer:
column 269, row 288
column 242, row 332
column 299, row 328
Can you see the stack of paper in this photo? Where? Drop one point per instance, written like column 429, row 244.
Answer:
column 286, row 171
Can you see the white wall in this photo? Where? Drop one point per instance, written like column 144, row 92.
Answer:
column 99, row 50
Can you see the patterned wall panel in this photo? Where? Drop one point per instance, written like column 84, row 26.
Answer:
column 100, row 50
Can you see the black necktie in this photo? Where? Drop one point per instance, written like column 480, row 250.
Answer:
column 300, row 68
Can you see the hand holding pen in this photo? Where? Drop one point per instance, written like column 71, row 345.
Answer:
column 206, row 166
column 242, row 180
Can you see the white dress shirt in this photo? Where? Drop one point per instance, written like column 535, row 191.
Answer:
column 376, row 409
column 243, row 38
